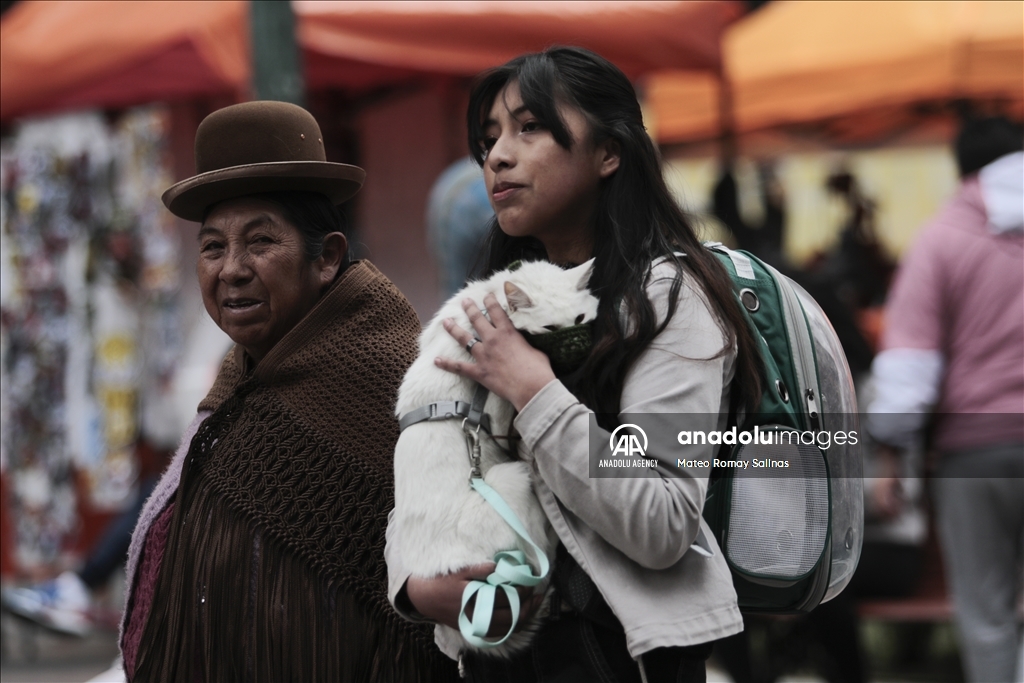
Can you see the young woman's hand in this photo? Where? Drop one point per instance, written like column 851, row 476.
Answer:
column 440, row 599
column 505, row 363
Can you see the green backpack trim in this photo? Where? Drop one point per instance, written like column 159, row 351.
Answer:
column 790, row 399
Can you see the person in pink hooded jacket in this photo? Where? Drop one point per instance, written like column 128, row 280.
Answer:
column 951, row 370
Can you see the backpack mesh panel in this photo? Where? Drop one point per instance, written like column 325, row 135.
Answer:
column 778, row 518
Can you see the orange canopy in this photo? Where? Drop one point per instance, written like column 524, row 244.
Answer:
column 63, row 54
column 467, row 37
column 798, row 62
column 684, row 105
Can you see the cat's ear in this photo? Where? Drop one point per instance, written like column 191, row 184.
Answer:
column 583, row 271
column 517, row 298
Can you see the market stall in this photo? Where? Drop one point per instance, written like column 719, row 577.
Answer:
column 93, row 326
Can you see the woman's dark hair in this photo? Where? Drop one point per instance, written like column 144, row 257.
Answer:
column 637, row 220
column 313, row 214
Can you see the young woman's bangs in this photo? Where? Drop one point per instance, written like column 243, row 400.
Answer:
column 538, row 83
column 480, row 103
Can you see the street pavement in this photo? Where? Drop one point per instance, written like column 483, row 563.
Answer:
column 31, row 654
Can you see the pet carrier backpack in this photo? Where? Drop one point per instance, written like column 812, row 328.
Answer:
column 791, row 533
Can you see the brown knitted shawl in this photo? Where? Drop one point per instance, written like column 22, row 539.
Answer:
column 274, row 568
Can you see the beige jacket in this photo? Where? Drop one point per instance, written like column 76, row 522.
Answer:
column 631, row 536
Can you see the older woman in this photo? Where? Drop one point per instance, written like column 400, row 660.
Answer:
column 260, row 554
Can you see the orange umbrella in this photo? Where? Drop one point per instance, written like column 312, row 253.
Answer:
column 683, row 105
column 61, row 55
column 797, row 61
column 805, row 62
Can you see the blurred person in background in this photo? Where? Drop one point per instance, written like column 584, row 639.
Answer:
column 764, row 240
column 859, row 269
column 458, row 216
column 952, row 368
column 260, row 554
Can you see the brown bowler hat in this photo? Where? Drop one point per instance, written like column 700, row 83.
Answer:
column 258, row 147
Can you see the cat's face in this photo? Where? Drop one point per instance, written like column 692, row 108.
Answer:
column 542, row 297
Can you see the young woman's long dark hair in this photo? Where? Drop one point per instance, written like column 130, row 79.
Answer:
column 637, row 220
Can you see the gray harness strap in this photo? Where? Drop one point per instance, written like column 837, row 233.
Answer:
column 477, row 416
column 445, row 410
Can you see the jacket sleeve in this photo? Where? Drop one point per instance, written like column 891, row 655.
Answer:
column 683, row 374
column 398, row 574
column 908, row 373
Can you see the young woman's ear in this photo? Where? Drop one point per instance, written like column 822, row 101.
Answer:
column 611, row 153
column 335, row 249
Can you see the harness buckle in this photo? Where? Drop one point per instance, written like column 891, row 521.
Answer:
column 473, row 446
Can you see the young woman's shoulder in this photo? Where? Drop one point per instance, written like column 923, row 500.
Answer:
column 688, row 366
column 694, row 320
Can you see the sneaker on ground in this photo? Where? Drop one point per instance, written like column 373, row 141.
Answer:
column 62, row 604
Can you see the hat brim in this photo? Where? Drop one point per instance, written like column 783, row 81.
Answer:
column 190, row 198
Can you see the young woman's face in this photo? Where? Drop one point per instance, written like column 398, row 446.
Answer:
column 537, row 187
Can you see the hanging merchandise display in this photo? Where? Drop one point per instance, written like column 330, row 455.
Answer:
column 90, row 282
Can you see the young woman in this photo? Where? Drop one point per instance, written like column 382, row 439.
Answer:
column 571, row 174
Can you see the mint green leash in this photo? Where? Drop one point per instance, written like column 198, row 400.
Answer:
column 511, row 566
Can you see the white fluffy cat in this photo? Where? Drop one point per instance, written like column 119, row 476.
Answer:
column 440, row 524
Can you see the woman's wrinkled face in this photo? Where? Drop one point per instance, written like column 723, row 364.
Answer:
column 253, row 273
column 537, row 187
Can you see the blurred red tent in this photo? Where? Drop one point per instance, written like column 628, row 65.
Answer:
column 858, row 70
column 57, row 55
column 464, row 38
column 105, row 53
